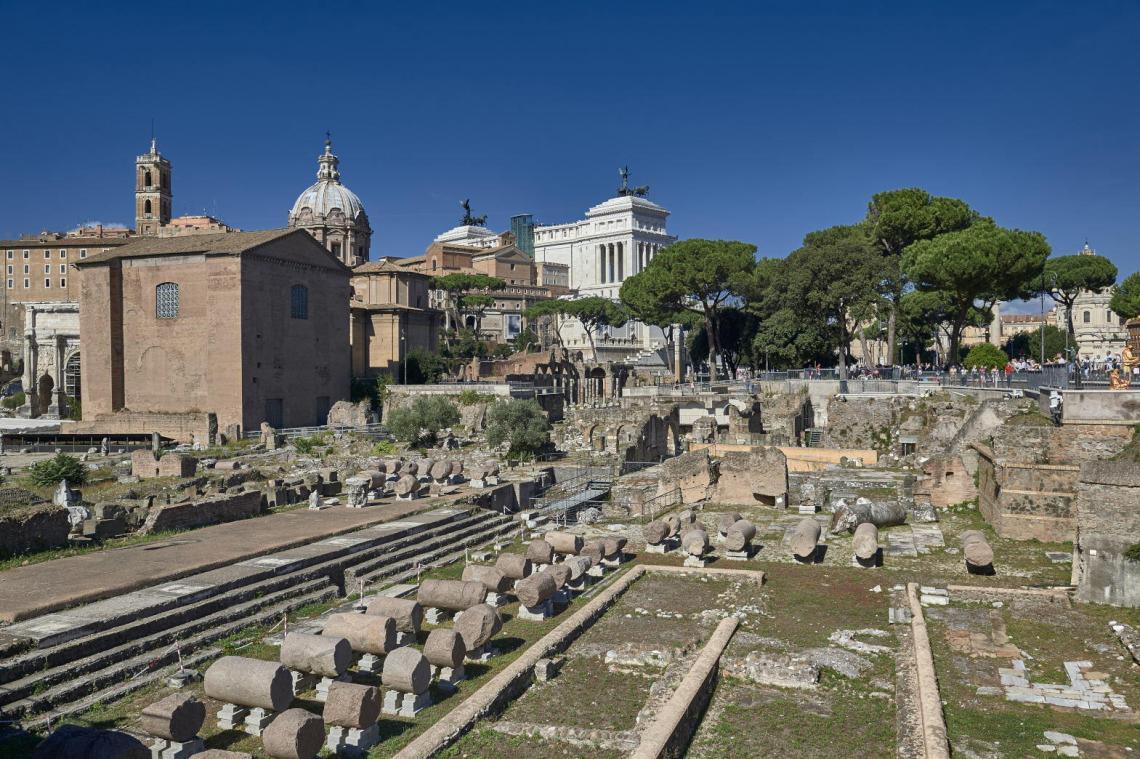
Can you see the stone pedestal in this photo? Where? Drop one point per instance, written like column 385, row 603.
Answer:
column 481, row 654
column 231, row 717
column 597, row 570
column 302, row 682
column 695, row 561
column 434, row 616
column 497, row 599
column 404, row 639
column 408, row 497
column 540, row 613
column 160, row 748
column 613, row 563
column 323, row 686
column 369, row 663
column 448, row 677
column 351, row 742
column 579, row 585
column 405, row 704
column 744, row 555
column 658, row 548
column 257, row 720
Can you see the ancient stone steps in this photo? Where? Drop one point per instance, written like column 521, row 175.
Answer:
column 118, row 671
column 371, row 570
column 185, row 633
column 448, row 552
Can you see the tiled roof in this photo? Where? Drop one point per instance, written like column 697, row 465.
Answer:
column 223, row 243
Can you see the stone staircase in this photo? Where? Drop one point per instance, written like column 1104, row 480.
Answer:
column 127, row 642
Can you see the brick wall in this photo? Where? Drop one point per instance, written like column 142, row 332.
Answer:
column 1026, row 500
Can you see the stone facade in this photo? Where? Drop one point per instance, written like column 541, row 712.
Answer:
column 1026, row 501
column 945, row 481
column 1108, row 524
column 749, row 478
column 249, row 326
column 51, row 359
column 145, row 466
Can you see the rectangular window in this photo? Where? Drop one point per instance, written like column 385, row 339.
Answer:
column 25, row 255
column 63, row 284
column 47, row 268
column 63, row 268
column 27, row 269
column 166, row 301
column 47, row 254
column 10, row 254
column 11, row 284
column 47, row 284
column 11, row 269
column 63, row 254
column 83, row 254
column 27, row 283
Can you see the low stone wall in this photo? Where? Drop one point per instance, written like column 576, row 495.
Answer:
column 1108, row 523
column 1024, row 501
column 145, row 466
column 33, row 530
column 190, row 514
column 800, row 459
column 936, row 745
column 669, row 734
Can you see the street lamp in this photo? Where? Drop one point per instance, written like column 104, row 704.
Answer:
column 404, row 355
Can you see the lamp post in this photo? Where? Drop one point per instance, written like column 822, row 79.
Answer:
column 404, row 355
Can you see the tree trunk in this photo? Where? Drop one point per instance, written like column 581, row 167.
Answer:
column 891, row 326
column 714, row 343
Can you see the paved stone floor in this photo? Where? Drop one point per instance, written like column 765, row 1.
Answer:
column 40, row 588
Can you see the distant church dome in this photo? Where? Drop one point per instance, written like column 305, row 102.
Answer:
column 333, row 214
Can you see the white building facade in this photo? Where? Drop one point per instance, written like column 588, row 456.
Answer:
column 617, row 239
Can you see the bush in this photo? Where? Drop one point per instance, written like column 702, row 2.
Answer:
column 74, row 409
column 14, row 401
column 63, row 467
column 1133, row 552
column 420, row 423
column 520, row 424
column 423, row 368
column 986, row 356
column 384, row 448
column 474, row 397
column 308, row 445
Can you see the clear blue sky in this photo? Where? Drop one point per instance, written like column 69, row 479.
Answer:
column 753, row 121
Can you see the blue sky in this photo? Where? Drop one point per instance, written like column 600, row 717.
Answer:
column 753, row 121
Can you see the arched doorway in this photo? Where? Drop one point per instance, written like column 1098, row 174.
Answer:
column 44, row 390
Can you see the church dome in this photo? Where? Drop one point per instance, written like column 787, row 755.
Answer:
column 327, row 196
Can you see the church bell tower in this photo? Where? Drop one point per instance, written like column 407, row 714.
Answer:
column 152, row 192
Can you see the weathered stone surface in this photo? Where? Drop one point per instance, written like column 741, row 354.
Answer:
column 316, row 654
column 249, row 682
column 294, row 734
column 478, row 625
column 407, row 484
column 203, row 512
column 751, row 477
column 217, row 753
column 74, row 742
column 366, row 633
column 866, row 541
column 674, row 523
column 351, row 705
column 453, row 595
column 977, row 549
column 540, row 552
column 441, row 470
column 655, row 532
column 406, row 613
column 613, row 547
column 492, row 578
column 594, row 550
column 445, row 648
column 32, row 529
column 727, row 520
column 566, row 543
column 406, row 670
column 178, row 717
column 1108, row 523
column 535, row 589
column 739, row 535
column 693, row 472
column 805, row 538
column 848, row 516
column 513, row 565
column 578, row 566
column 695, row 542
column 560, row 572
column 349, row 414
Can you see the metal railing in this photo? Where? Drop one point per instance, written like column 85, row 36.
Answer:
column 368, row 430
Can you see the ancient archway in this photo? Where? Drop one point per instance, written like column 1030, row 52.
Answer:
column 44, row 389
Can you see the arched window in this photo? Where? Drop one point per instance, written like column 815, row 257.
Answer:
column 71, row 377
column 166, row 301
column 299, row 302
column 1087, row 317
column 146, row 180
column 146, row 207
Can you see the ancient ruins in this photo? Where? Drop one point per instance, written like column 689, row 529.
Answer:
column 680, row 573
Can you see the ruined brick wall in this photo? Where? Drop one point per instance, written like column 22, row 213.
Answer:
column 145, row 466
column 1027, row 500
column 1108, row 523
column 33, row 530
column 189, row 514
column 692, row 472
column 759, row 476
column 945, row 481
column 1048, row 444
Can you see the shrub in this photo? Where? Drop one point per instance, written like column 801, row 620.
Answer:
column 308, row 445
column 1133, row 552
column 384, row 448
column 474, row 397
column 14, row 401
column 520, row 424
column 986, row 356
column 421, row 422
column 62, row 467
